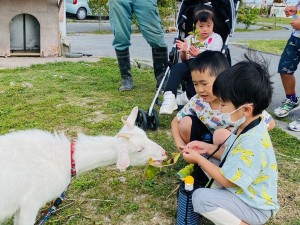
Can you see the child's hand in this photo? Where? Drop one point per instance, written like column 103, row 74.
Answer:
column 182, row 45
column 194, row 51
column 199, row 146
column 181, row 147
column 191, row 156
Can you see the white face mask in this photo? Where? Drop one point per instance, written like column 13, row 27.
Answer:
column 226, row 117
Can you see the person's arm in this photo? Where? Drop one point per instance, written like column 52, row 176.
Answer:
column 271, row 125
column 268, row 120
column 205, row 148
column 213, row 170
column 176, row 135
column 295, row 23
column 184, row 56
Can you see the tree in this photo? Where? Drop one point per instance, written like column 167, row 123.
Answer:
column 167, row 11
column 99, row 8
column 247, row 16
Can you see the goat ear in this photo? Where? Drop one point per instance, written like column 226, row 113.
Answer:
column 123, row 158
column 132, row 117
column 124, row 120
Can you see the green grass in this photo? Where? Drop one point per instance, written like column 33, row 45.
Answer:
column 263, row 27
column 273, row 20
column 84, row 97
column 271, row 46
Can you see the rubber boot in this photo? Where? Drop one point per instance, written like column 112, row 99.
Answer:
column 160, row 64
column 124, row 65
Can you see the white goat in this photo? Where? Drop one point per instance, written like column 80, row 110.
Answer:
column 35, row 165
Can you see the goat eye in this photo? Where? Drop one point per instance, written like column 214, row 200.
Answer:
column 141, row 149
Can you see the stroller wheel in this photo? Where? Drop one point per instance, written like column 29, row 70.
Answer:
column 141, row 119
column 153, row 120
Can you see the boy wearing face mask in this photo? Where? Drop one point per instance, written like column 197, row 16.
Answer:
column 201, row 118
column 248, row 176
column 201, row 115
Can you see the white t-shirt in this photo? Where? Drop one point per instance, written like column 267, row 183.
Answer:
column 213, row 42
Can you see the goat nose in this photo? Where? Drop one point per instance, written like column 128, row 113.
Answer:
column 164, row 153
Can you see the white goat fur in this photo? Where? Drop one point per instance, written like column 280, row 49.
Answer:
column 35, row 165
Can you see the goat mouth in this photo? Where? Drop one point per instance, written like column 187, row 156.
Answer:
column 158, row 162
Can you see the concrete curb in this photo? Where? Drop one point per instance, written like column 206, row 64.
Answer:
column 244, row 46
column 283, row 126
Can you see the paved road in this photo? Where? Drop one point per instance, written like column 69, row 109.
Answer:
column 100, row 45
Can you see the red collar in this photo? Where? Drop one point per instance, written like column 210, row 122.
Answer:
column 73, row 170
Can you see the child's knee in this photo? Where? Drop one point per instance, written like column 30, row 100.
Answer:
column 185, row 127
column 201, row 203
column 185, row 123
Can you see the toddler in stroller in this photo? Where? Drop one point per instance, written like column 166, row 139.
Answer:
column 208, row 23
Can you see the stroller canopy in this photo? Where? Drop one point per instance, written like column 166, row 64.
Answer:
column 225, row 13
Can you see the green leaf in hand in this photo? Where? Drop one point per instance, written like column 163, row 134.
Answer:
column 198, row 44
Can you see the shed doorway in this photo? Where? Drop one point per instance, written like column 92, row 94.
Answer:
column 24, row 35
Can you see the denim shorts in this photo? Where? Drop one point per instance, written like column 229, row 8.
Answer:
column 290, row 57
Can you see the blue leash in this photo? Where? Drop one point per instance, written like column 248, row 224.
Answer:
column 60, row 199
column 56, row 203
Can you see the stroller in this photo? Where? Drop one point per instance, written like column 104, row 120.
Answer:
column 226, row 14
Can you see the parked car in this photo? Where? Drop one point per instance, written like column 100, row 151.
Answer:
column 170, row 29
column 80, row 8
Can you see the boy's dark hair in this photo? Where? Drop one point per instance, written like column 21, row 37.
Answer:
column 204, row 13
column 213, row 61
column 245, row 82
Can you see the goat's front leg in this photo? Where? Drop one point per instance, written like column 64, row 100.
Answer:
column 26, row 215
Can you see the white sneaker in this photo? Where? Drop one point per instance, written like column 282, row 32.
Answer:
column 295, row 125
column 169, row 104
column 286, row 107
column 182, row 99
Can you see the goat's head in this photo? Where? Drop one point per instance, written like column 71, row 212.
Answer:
column 137, row 148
